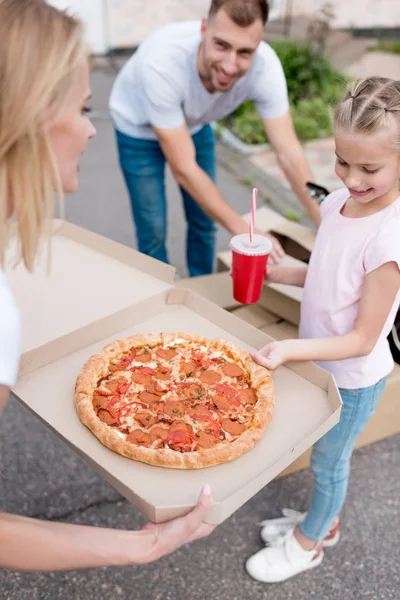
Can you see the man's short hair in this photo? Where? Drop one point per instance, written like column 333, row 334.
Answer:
column 242, row 12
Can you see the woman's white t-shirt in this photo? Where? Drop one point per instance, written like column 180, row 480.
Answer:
column 10, row 334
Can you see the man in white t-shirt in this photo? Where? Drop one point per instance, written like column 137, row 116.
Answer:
column 183, row 77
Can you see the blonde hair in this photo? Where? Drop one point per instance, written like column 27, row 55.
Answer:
column 370, row 105
column 41, row 51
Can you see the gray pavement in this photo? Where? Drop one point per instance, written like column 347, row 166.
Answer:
column 42, row 477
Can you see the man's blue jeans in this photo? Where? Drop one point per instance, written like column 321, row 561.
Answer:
column 331, row 456
column 143, row 166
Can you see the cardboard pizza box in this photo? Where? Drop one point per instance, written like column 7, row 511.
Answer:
column 98, row 291
column 297, row 241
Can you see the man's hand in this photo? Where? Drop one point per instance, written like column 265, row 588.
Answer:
column 271, row 356
column 170, row 536
column 277, row 252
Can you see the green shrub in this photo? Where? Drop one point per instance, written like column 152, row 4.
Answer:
column 307, row 73
column 312, row 119
column 392, row 46
column 314, row 89
column 247, row 125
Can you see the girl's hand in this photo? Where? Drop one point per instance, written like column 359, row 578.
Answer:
column 170, row 536
column 271, row 356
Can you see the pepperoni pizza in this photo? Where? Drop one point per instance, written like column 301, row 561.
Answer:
column 175, row 400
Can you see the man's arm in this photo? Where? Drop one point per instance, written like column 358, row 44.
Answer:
column 291, row 159
column 180, row 152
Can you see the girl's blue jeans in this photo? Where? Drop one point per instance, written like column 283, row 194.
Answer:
column 331, row 456
column 143, row 166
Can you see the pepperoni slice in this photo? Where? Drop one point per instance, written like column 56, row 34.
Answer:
column 144, row 357
column 145, row 419
column 155, row 388
column 192, row 391
column 137, row 436
column 158, row 433
column 247, row 396
column 138, row 377
column 210, row 377
column 221, row 402
column 148, row 398
column 205, row 440
column 232, row 427
column 232, row 370
column 100, row 402
column 200, row 409
column 225, row 390
column 180, row 426
column 106, row 417
column 166, row 353
column 189, row 368
column 114, row 384
column 174, row 409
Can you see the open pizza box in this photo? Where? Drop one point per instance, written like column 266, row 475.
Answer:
column 98, row 291
column 297, row 241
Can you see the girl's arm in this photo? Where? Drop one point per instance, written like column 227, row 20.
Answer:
column 288, row 275
column 34, row 545
column 380, row 290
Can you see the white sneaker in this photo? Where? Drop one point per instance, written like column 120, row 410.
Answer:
column 274, row 529
column 282, row 561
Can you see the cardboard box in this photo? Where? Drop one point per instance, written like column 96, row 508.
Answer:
column 297, row 241
column 99, row 291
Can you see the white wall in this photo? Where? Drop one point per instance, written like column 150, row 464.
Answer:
column 94, row 15
column 355, row 13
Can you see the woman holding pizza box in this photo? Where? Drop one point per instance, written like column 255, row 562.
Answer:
column 44, row 128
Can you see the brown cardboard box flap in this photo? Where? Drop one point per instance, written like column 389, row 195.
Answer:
column 90, row 277
column 271, row 221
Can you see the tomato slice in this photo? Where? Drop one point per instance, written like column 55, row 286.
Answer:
column 126, row 360
column 123, row 388
column 147, row 371
column 216, row 428
column 125, row 409
column 180, row 437
column 111, row 406
column 103, row 393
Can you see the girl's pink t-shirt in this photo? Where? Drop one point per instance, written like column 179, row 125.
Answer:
column 345, row 251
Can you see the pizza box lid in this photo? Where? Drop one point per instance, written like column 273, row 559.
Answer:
column 81, row 278
column 307, row 402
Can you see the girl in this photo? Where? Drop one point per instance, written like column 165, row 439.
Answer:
column 351, row 296
column 44, row 91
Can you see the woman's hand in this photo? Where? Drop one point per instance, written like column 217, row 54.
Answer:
column 271, row 356
column 170, row 536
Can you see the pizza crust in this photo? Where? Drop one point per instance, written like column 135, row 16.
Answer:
column 97, row 366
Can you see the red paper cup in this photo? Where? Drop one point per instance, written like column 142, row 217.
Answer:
column 249, row 263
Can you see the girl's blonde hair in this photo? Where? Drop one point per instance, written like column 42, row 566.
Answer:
column 370, row 105
column 41, row 52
